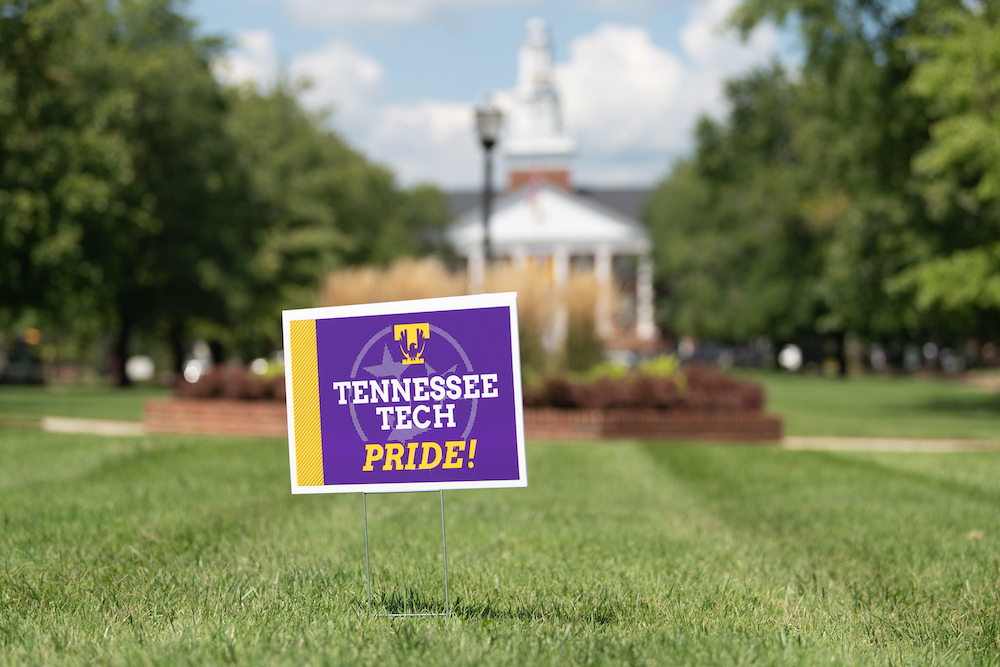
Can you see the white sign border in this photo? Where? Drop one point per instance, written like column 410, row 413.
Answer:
column 442, row 304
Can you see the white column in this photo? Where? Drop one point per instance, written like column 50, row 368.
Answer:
column 605, row 285
column 645, row 327
column 477, row 271
column 560, row 274
column 519, row 256
column 560, row 266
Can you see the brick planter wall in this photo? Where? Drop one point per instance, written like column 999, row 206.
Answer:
column 267, row 418
column 553, row 423
column 216, row 416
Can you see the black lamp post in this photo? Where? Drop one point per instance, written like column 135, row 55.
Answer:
column 488, row 120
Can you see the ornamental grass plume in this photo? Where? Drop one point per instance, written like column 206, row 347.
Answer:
column 580, row 296
column 404, row 279
column 583, row 347
column 535, row 294
column 536, row 304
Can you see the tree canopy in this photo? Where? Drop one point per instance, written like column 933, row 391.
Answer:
column 138, row 191
column 857, row 194
column 325, row 205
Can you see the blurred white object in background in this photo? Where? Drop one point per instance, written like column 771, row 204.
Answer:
column 930, row 352
column 192, row 370
column 879, row 359
column 139, row 368
column 790, row 358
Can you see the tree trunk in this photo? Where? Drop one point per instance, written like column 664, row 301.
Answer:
column 121, row 350
column 218, row 352
column 842, row 353
column 177, row 346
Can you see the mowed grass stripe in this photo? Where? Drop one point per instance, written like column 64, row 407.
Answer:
column 191, row 550
column 18, row 402
column 882, row 539
column 889, row 407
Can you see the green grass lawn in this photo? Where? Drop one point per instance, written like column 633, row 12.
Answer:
column 186, row 550
column 880, row 407
column 18, row 403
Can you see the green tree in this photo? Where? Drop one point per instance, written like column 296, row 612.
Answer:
column 958, row 74
column 118, row 179
column 852, row 172
column 177, row 237
column 736, row 252
column 59, row 163
column 868, row 69
column 325, row 206
column 135, row 190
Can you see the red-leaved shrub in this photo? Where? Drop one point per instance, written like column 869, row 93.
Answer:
column 697, row 389
column 227, row 381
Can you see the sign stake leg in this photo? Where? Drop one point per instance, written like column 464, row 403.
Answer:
column 444, row 553
column 368, row 567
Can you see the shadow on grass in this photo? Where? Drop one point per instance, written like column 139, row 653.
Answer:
column 596, row 612
column 406, row 601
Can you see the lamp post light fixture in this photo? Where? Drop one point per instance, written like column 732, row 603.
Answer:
column 488, row 121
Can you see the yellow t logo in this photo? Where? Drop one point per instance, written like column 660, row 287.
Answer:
column 413, row 348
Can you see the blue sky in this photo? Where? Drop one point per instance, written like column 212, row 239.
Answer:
column 402, row 75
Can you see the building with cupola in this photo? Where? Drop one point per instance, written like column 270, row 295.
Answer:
column 543, row 219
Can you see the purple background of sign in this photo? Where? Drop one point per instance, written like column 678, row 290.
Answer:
column 483, row 333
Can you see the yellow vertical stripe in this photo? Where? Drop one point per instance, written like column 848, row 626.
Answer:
column 305, row 399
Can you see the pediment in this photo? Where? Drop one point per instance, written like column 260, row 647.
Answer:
column 549, row 216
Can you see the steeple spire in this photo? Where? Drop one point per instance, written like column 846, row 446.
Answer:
column 537, row 147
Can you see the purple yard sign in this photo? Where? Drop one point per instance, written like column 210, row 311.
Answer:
column 405, row 396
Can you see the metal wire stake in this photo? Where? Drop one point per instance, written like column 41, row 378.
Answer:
column 368, row 567
column 444, row 553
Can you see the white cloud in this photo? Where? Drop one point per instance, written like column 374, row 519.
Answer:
column 632, row 104
column 354, row 13
column 718, row 50
column 619, row 6
column 254, row 60
column 343, row 78
column 617, row 87
column 338, row 13
column 428, row 141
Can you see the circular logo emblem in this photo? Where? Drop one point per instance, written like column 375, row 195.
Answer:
column 396, row 356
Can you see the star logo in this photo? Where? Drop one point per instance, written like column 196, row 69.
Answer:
column 389, row 368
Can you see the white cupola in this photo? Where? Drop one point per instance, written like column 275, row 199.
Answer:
column 536, row 146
